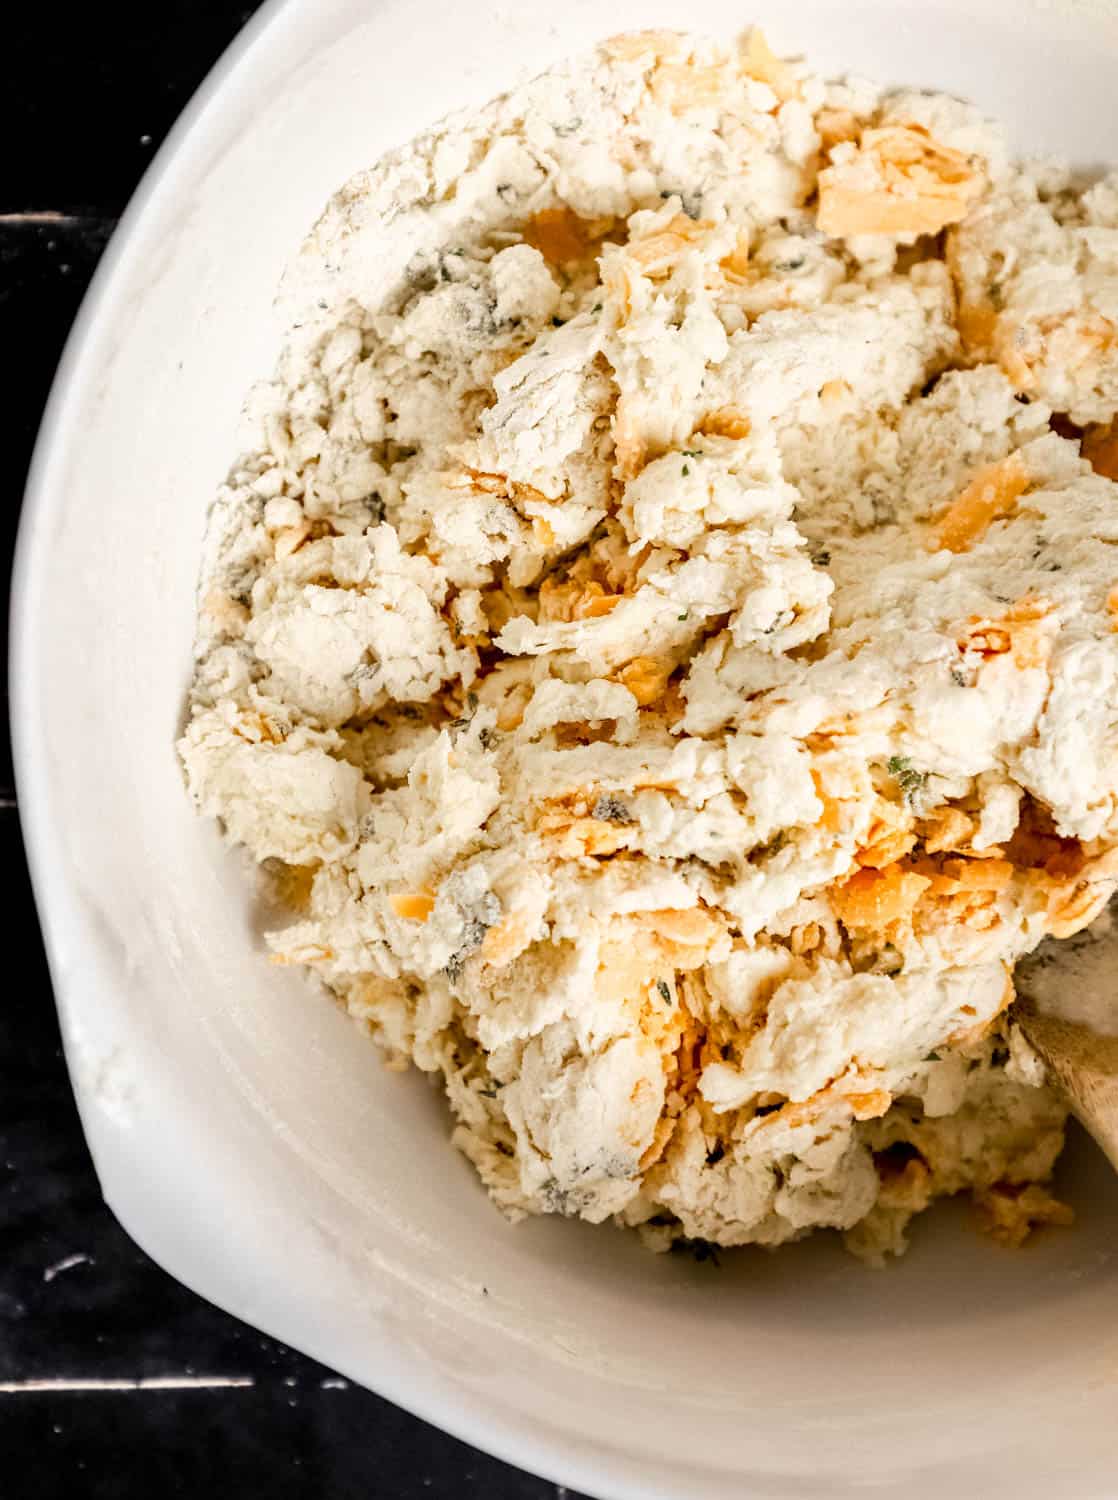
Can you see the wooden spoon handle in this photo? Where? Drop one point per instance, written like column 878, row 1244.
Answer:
column 1084, row 1067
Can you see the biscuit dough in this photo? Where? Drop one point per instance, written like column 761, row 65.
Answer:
column 660, row 637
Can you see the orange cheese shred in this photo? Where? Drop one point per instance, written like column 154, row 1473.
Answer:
column 559, row 235
column 872, row 899
column 761, row 63
column 991, row 495
column 900, row 181
column 413, row 906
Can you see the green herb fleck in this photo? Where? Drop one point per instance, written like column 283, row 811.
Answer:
column 611, row 810
column 662, row 989
column 821, row 558
column 691, row 453
column 684, row 615
column 686, row 468
column 911, row 781
column 597, row 307
column 775, row 844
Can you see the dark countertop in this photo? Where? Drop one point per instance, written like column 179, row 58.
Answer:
column 85, row 1317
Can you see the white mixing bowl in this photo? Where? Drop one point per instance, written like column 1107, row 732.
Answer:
column 244, row 1133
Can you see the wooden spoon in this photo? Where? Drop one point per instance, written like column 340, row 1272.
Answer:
column 1067, row 992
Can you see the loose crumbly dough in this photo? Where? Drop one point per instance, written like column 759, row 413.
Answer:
column 661, row 637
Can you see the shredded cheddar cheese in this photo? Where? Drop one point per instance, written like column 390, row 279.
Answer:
column 990, row 496
column 898, row 180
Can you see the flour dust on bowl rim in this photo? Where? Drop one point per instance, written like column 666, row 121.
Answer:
column 240, row 1132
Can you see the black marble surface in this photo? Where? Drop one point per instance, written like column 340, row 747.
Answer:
column 85, row 1317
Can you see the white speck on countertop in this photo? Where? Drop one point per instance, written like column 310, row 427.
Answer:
column 67, row 1263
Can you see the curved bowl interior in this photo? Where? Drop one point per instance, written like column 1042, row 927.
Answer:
column 243, row 1132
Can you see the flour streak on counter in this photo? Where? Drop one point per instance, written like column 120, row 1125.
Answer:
column 67, row 1263
column 149, row 1383
column 45, row 216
